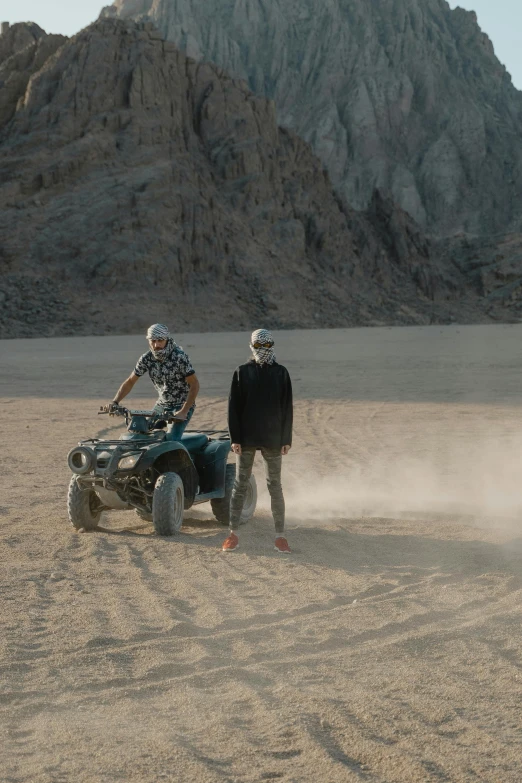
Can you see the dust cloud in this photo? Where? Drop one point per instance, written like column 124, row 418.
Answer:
column 480, row 479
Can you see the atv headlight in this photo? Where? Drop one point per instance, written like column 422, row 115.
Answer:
column 81, row 460
column 128, row 462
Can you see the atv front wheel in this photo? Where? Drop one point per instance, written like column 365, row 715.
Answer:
column 168, row 503
column 221, row 506
column 84, row 507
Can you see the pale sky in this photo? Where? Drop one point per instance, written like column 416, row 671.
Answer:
column 500, row 19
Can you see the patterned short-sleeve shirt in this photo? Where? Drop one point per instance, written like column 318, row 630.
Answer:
column 168, row 376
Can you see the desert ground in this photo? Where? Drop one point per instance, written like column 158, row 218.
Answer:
column 385, row 649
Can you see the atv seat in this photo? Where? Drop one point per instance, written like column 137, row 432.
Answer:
column 194, row 441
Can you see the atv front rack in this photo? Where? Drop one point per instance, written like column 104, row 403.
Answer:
column 223, row 434
column 131, row 444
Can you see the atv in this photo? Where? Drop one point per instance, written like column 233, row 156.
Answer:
column 156, row 477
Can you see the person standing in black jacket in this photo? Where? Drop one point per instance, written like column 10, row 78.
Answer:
column 260, row 417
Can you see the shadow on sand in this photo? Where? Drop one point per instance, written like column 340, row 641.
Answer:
column 345, row 547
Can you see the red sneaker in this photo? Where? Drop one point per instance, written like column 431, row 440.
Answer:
column 281, row 545
column 230, row 543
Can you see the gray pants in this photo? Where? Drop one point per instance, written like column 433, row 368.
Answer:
column 244, row 462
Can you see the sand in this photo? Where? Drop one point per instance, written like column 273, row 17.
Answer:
column 385, row 649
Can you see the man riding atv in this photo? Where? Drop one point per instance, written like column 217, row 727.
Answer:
column 173, row 376
column 157, row 474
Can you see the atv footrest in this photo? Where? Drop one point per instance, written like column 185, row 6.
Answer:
column 208, row 496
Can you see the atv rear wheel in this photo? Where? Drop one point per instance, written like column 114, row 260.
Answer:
column 84, row 507
column 221, row 506
column 167, row 504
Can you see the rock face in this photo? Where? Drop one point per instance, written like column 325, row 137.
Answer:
column 18, row 37
column 138, row 185
column 493, row 268
column 24, row 48
column 403, row 95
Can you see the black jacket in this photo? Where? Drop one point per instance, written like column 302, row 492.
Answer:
column 260, row 408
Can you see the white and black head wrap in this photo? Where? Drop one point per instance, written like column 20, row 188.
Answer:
column 161, row 332
column 262, row 355
column 158, row 332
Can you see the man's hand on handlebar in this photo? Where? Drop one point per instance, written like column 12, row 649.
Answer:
column 113, row 408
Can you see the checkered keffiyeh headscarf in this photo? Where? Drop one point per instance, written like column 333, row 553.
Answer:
column 158, row 332
column 262, row 355
column 161, row 332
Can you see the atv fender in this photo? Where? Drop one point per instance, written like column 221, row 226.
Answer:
column 167, row 447
column 211, row 463
column 172, row 457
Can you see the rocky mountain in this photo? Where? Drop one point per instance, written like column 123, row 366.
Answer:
column 138, row 185
column 403, row 95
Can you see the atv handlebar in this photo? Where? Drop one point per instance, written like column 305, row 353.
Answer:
column 119, row 410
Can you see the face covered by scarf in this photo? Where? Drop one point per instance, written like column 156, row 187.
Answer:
column 262, row 355
column 160, row 332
